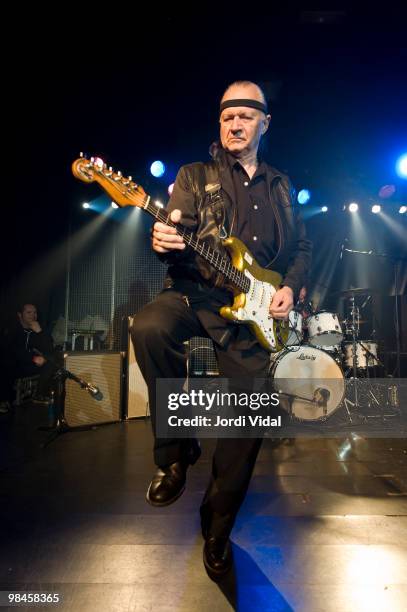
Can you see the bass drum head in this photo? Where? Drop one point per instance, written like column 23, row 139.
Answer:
column 310, row 382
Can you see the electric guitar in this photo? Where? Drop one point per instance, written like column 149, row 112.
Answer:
column 254, row 287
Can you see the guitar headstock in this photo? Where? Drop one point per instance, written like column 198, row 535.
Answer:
column 122, row 190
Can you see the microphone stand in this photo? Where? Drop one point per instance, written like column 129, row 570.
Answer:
column 58, row 400
column 395, row 261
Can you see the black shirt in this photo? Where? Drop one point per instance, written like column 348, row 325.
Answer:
column 255, row 221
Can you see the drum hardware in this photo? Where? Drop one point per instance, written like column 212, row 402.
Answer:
column 345, row 293
column 319, row 400
column 295, row 322
column 396, row 262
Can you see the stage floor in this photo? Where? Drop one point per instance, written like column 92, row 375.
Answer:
column 316, row 533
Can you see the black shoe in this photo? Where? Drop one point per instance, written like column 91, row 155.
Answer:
column 217, row 556
column 168, row 484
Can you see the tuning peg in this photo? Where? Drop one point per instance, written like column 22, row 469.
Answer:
column 130, row 178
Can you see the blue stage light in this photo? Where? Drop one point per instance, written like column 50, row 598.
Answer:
column 157, row 168
column 401, row 166
column 304, row 196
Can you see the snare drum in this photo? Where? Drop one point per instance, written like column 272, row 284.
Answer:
column 363, row 359
column 310, row 383
column 324, row 329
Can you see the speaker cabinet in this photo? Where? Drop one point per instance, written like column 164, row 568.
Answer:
column 137, row 392
column 103, row 370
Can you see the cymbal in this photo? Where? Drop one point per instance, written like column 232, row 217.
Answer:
column 358, row 322
column 349, row 321
column 352, row 292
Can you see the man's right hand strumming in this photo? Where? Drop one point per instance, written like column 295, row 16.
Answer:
column 165, row 238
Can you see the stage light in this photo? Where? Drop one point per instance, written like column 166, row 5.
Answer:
column 114, row 205
column 170, row 188
column 403, row 210
column 86, row 205
column 157, row 168
column 159, row 204
column 376, row 208
column 304, row 196
column 353, row 207
column 324, row 209
column 386, row 191
column 401, row 166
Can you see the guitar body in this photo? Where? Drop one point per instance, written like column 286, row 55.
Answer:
column 252, row 308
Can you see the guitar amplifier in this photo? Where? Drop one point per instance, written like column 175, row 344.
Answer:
column 103, row 370
column 201, row 357
column 137, row 392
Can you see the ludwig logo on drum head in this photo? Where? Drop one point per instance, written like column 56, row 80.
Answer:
column 303, row 357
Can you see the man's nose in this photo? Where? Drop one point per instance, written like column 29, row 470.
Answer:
column 236, row 124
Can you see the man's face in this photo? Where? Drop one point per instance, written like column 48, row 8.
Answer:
column 241, row 127
column 28, row 315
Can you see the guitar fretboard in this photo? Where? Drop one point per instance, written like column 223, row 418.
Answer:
column 216, row 259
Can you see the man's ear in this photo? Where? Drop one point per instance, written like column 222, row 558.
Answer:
column 266, row 123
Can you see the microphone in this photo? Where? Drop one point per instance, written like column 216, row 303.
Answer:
column 321, row 398
column 94, row 391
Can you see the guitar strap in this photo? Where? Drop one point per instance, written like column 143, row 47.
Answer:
column 211, row 196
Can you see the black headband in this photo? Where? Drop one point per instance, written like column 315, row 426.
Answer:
column 243, row 102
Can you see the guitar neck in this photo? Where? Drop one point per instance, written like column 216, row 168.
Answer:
column 215, row 258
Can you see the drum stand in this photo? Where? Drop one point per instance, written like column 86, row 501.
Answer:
column 356, row 404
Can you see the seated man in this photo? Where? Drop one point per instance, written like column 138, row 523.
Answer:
column 23, row 342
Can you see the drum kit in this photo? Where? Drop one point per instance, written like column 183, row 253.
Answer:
column 319, row 370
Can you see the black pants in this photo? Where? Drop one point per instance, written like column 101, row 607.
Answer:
column 158, row 333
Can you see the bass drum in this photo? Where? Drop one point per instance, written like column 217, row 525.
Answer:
column 310, row 383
